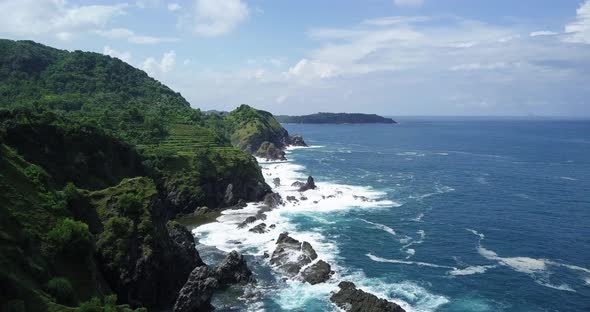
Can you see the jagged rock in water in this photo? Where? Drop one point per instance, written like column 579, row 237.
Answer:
column 187, row 255
column 276, row 182
column 362, row 198
column 297, row 184
column 303, row 198
column 351, row 299
column 292, row 198
column 273, row 200
column 196, row 293
column 260, row 228
column 296, row 140
column 248, row 220
column 309, row 185
column 233, row 270
column 318, row 272
column 290, row 255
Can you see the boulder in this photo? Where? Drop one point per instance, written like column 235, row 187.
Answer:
column 296, row 140
column 272, row 200
column 318, row 272
column 309, row 185
column 248, row 220
column 297, row 184
column 196, row 293
column 186, row 254
column 233, row 270
column 291, row 255
column 292, row 199
column 351, row 299
column 260, row 228
column 276, row 182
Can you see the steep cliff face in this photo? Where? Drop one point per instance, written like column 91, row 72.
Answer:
column 257, row 132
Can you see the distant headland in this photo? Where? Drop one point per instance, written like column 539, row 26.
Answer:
column 335, row 118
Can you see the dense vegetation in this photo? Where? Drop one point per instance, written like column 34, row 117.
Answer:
column 95, row 158
column 335, row 118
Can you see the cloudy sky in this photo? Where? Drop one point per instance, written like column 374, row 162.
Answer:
column 392, row 57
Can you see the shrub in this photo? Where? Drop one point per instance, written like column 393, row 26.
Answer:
column 71, row 237
column 61, row 289
column 129, row 204
column 93, row 305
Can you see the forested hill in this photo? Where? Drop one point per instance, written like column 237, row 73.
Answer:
column 96, row 157
column 335, row 118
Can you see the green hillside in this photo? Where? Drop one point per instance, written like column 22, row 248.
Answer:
column 96, row 157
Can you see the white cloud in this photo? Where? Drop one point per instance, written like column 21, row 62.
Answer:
column 392, row 20
column 408, row 3
column 173, row 7
column 542, row 33
column 42, row 17
column 130, row 36
column 307, row 69
column 215, row 17
column 157, row 68
column 64, row 36
column 281, row 98
column 579, row 30
column 123, row 56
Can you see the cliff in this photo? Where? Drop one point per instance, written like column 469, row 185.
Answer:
column 96, row 157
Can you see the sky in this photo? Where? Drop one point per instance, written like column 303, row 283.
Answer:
column 390, row 57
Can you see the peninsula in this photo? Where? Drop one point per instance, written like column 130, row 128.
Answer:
column 335, row 118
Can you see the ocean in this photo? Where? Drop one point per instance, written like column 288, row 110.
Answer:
column 435, row 214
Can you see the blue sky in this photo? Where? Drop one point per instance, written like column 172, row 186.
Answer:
column 392, row 57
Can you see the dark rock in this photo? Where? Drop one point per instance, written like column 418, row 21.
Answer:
column 196, row 293
column 351, row 299
column 291, row 255
column 296, row 140
column 362, row 198
column 248, row 220
column 309, row 185
column 272, row 226
column 273, row 200
column 233, row 270
column 303, row 198
column 318, row 272
column 297, row 184
column 292, row 199
column 276, row 182
column 260, row 228
column 265, row 255
column 183, row 239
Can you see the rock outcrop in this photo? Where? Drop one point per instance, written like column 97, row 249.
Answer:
column 309, row 185
column 259, row 229
column 233, row 270
column 291, row 255
column 196, row 293
column 296, row 140
column 318, row 272
column 351, row 299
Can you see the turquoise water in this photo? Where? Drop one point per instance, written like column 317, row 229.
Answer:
column 468, row 215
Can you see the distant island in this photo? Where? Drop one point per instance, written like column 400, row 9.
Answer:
column 335, row 118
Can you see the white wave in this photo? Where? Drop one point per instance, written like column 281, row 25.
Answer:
column 381, row 227
column 224, row 234
column 520, row 264
column 438, row 189
column 568, row 178
column 478, row 269
column 410, row 253
column 418, row 218
column 564, row 287
column 481, row 236
column 432, row 265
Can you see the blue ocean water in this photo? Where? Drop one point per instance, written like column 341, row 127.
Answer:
column 523, row 185
column 462, row 215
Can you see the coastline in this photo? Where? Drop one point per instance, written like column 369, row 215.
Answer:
column 228, row 231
